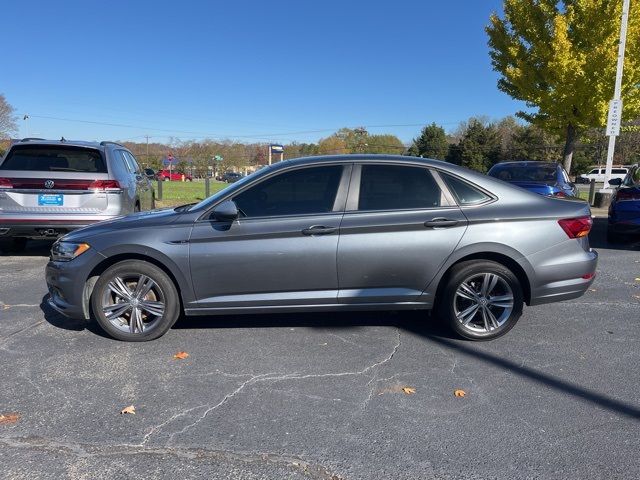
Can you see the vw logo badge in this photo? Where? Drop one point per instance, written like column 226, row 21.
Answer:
column 49, row 184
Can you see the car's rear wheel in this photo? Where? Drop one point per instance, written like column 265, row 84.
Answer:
column 481, row 300
column 135, row 301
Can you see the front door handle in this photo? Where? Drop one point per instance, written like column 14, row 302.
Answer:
column 440, row 222
column 319, row 230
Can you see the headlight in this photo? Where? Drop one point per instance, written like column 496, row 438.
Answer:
column 65, row 251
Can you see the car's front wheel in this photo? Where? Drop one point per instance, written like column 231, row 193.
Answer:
column 135, row 301
column 481, row 300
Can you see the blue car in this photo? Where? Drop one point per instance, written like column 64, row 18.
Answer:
column 544, row 178
column 624, row 211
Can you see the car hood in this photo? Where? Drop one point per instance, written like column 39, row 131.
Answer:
column 150, row 218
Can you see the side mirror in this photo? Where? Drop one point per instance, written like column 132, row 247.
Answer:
column 227, row 211
column 616, row 182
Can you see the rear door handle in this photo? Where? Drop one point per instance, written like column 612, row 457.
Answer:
column 440, row 222
column 319, row 230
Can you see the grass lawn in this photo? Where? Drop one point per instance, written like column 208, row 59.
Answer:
column 179, row 193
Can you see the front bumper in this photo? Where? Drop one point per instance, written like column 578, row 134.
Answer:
column 66, row 282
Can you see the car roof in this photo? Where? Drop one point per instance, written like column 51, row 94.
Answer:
column 525, row 163
column 69, row 143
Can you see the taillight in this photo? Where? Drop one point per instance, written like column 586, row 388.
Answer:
column 577, row 227
column 626, row 194
column 104, row 185
column 559, row 194
column 5, row 183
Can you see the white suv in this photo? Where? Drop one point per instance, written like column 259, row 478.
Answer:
column 598, row 175
column 48, row 188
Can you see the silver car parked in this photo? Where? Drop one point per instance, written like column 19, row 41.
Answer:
column 332, row 233
column 48, row 188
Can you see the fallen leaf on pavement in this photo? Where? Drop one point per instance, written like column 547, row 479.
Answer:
column 130, row 409
column 408, row 390
column 181, row 355
column 459, row 393
column 9, row 418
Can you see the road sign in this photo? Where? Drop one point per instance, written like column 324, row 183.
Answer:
column 276, row 148
column 615, row 118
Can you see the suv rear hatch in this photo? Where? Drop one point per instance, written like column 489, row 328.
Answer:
column 41, row 181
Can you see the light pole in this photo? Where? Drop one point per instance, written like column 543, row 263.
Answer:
column 615, row 106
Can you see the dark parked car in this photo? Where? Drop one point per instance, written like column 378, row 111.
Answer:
column 624, row 211
column 231, row 177
column 332, row 233
column 50, row 187
column 544, row 178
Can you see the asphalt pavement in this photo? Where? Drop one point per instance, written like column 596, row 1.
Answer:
column 321, row 395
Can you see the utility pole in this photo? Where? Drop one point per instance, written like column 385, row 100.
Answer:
column 147, row 136
column 615, row 106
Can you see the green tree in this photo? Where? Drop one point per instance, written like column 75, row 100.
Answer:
column 479, row 146
column 8, row 124
column 432, row 143
column 560, row 58
column 384, row 143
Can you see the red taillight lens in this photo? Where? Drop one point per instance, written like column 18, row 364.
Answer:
column 105, row 185
column 576, row 227
column 5, row 183
column 559, row 195
column 627, row 194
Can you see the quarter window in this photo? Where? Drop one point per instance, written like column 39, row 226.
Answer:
column 393, row 187
column 465, row 193
column 300, row 192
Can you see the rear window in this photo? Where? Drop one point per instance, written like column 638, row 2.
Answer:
column 619, row 170
column 533, row 173
column 39, row 158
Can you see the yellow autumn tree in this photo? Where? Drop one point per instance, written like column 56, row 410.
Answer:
column 559, row 57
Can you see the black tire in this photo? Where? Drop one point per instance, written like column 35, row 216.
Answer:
column 452, row 304
column 164, row 292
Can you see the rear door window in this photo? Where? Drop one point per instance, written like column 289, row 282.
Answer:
column 54, row 158
column 397, row 187
column 464, row 192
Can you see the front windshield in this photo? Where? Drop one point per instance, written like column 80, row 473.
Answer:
column 230, row 188
column 517, row 173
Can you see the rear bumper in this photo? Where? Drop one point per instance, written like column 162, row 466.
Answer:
column 564, row 275
column 43, row 228
column 631, row 227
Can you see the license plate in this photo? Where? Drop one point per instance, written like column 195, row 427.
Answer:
column 47, row 199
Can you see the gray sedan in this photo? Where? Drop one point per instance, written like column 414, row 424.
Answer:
column 331, row 233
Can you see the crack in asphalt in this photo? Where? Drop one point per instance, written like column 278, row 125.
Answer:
column 80, row 450
column 4, row 340
column 265, row 377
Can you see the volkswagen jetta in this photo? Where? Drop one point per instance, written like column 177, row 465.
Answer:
column 331, row 233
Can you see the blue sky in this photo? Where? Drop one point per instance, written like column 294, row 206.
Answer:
column 248, row 70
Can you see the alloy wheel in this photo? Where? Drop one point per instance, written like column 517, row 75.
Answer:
column 483, row 302
column 133, row 303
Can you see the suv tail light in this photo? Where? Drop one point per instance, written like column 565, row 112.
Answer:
column 5, row 183
column 104, row 185
column 626, row 194
column 559, row 194
column 577, row 227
